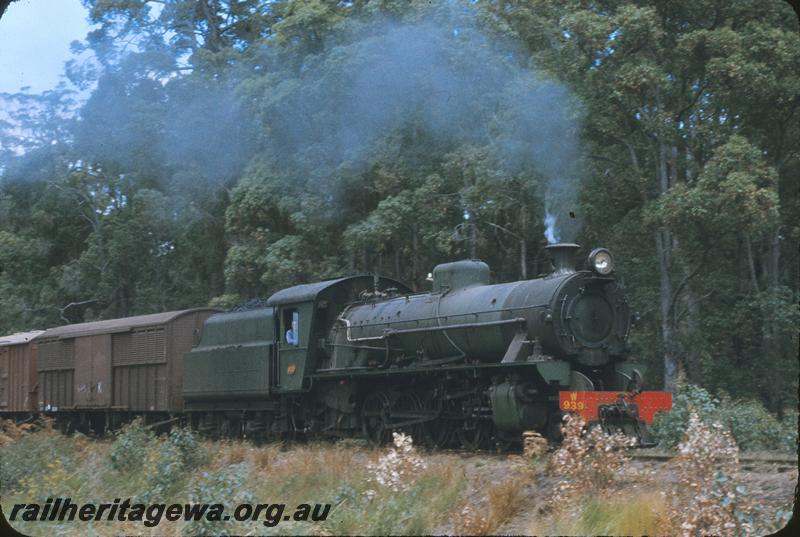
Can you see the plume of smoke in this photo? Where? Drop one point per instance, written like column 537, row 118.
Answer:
column 550, row 228
column 444, row 75
column 142, row 127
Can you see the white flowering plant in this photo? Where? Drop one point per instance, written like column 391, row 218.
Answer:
column 398, row 468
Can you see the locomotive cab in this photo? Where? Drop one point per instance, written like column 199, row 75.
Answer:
column 314, row 308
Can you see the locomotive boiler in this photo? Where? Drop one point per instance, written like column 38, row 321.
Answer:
column 582, row 316
column 470, row 362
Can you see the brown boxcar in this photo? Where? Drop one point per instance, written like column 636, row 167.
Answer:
column 18, row 373
column 112, row 369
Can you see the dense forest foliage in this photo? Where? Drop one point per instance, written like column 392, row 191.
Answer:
column 214, row 151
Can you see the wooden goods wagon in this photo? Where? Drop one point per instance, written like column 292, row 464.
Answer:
column 18, row 374
column 96, row 374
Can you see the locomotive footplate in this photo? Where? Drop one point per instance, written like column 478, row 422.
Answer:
column 614, row 411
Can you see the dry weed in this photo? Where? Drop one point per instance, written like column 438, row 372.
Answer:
column 471, row 521
column 534, row 445
column 590, row 459
column 706, row 497
column 10, row 432
column 236, row 452
column 398, row 467
column 324, row 461
column 264, row 456
column 503, row 500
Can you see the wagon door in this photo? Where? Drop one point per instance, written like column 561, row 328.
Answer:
column 55, row 365
column 18, row 381
column 93, row 371
column 140, row 370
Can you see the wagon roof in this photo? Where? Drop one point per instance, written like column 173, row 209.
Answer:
column 18, row 338
column 112, row 326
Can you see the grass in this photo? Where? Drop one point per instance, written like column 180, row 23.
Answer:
column 503, row 500
column 644, row 514
column 48, row 465
column 441, row 493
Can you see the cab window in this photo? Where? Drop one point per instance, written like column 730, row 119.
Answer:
column 291, row 327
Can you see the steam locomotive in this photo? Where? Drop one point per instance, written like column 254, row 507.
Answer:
column 470, row 363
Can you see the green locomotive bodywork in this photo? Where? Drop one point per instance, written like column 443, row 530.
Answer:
column 469, row 361
column 232, row 359
column 464, row 316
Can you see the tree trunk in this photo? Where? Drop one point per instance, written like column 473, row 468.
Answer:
column 692, row 353
column 212, row 37
column 773, row 258
column 750, row 263
column 665, row 299
column 663, row 247
column 771, row 346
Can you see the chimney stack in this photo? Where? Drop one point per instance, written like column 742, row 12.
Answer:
column 562, row 256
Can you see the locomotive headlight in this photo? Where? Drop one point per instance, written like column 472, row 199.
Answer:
column 601, row 261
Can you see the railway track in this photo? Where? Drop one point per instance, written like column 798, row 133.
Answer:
column 774, row 458
column 777, row 462
column 748, row 461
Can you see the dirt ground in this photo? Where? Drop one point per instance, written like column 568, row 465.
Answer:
column 771, row 486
